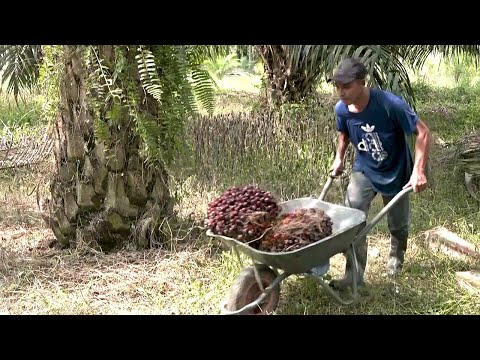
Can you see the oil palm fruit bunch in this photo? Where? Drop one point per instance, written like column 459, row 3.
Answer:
column 243, row 213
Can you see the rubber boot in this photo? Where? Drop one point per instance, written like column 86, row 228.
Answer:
column 361, row 249
column 397, row 254
column 398, row 224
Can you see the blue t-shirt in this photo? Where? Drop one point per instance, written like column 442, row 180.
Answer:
column 378, row 134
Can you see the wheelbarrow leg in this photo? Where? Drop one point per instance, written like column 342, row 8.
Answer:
column 356, row 261
column 356, row 273
column 334, row 293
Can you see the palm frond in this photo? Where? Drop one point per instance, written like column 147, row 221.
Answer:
column 203, row 87
column 198, row 53
column 388, row 72
column 185, row 87
column 416, row 55
column 149, row 73
column 468, row 153
column 383, row 64
column 19, row 66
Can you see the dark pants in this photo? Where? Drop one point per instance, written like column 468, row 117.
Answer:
column 359, row 196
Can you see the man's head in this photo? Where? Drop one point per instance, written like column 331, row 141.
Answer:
column 349, row 79
column 349, row 70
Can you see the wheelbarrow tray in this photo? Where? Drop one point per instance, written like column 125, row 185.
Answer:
column 346, row 223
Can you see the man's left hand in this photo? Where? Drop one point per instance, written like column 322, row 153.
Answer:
column 418, row 181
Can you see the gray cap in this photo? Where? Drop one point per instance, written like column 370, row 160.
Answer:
column 349, row 70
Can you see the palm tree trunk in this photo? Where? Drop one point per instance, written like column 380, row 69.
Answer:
column 103, row 193
column 285, row 84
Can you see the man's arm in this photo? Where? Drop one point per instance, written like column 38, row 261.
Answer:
column 418, row 180
column 342, row 146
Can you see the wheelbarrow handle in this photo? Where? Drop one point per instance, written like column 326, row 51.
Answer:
column 329, row 181
column 382, row 212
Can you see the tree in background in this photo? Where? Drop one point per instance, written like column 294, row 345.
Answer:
column 293, row 71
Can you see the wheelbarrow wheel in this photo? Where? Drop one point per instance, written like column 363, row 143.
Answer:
column 245, row 290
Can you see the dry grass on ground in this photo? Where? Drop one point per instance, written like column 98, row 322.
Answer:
column 193, row 274
column 36, row 277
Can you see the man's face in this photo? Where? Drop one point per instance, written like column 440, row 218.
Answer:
column 350, row 92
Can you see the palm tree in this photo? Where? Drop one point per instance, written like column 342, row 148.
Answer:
column 294, row 70
column 118, row 112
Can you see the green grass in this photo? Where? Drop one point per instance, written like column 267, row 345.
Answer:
column 22, row 115
column 449, row 112
column 194, row 275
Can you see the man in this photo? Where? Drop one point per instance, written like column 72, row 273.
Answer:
column 376, row 122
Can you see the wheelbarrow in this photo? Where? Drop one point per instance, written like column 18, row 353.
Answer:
column 257, row 288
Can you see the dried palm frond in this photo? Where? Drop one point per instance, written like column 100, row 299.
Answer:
column 468, row 154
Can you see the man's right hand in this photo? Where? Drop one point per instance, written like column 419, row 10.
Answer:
column 336, row 168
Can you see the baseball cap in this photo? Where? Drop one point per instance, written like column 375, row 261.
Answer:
column 349, row 69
